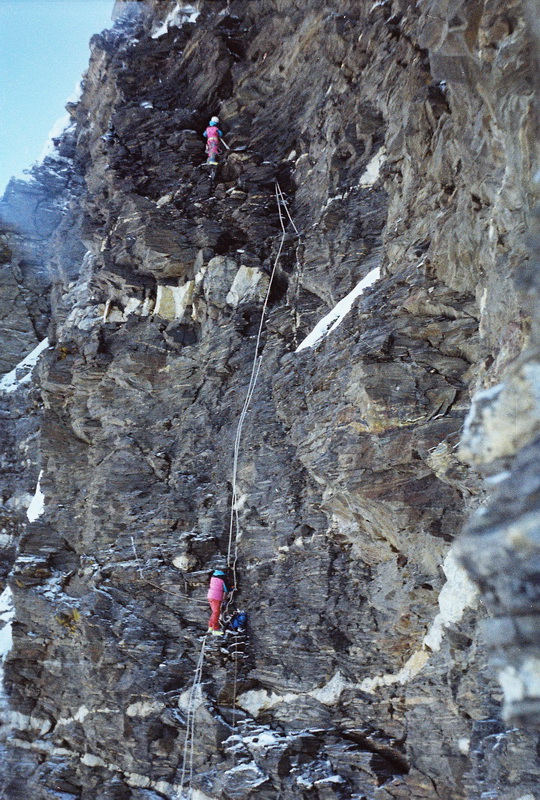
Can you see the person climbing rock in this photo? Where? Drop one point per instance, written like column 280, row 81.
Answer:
column 212, row 135
column 216, row 593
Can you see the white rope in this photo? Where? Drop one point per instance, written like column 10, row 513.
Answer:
column 137, row 558
column 299, row 274
column 286, row 207
column 189, row 741
column 234, row 522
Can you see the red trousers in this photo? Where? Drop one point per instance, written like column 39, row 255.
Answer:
column 212, row 148
column 213, row 622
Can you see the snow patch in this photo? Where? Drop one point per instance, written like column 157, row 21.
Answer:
column 262, row 740
column 37, row 506
column 60, row 126
column 457, row 594
column 464, row 745
column 500, row 477
column 28, row 722
column 79, row 716
column 413, row 666
column 144, row 709
column 372, row 172
column 175, row 18
column 522, row 683
column 330, row 322
column 258, row 700
column 334, row 199
column 6, row 617
column 52, row 589
column 329, row 779
column 12, row 380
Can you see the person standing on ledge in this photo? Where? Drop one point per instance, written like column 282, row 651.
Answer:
column 212, row 135
column 216, row 593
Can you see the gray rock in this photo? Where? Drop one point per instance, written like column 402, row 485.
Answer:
column 401, row 139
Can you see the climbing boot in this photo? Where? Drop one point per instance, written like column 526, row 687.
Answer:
column 218, row 633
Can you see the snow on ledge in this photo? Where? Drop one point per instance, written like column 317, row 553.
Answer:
column 373, row 170
column 37, row 506
column 50, row 149
column 328, row 323
column 10, row 382
column 175, row 18
column 457, row 594
column 257, row 700
column 6, row 616
column 521, row 683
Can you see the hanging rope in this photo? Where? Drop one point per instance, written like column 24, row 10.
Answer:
column 299, row 274
column 142, row 579
column 234, row 522
column 186, row 776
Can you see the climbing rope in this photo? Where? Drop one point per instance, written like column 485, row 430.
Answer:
column 142, row 579
column 189, row 741
column 299, row 274
column 234, row 521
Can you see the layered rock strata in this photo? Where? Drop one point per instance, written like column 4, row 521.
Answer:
column 403, row 140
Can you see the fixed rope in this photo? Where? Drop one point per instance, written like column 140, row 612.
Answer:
column 186, row 775
column 142, row 579
column 234, row 521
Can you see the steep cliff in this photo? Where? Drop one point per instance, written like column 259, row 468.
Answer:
column 372, row 212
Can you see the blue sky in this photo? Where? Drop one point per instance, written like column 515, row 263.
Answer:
column 43, row 53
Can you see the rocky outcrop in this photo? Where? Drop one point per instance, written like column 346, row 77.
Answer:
column 402, row 139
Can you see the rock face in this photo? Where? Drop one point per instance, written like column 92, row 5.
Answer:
column 372, row 211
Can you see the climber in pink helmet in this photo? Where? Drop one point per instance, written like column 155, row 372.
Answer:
column 212, row 135
column 216, row 593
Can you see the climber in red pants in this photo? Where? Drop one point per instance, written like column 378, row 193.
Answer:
column 216, row 592
column 212, row 135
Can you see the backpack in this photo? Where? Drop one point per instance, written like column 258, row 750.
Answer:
column 238, row 621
